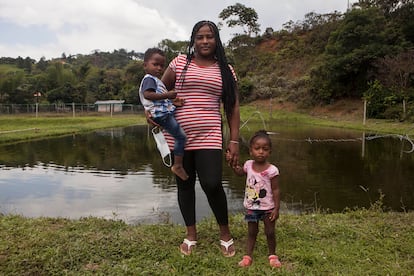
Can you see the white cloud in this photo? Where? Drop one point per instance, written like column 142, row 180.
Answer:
column 83, row 26
column 53, row 27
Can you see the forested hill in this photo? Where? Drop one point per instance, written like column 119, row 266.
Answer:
column 366, row 52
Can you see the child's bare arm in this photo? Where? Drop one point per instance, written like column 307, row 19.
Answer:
column 276, row 198
column 239, row 170
column 152, row 96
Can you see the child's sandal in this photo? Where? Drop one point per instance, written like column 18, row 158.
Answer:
column 246, row 261
column 274, row 261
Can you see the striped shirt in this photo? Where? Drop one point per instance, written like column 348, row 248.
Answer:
column 200, row 116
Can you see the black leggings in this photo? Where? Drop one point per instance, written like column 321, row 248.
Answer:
column 207, row 165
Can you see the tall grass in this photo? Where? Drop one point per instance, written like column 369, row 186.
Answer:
column 22, row 128
column 356, row 242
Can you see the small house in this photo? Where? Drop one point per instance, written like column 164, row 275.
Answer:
column 109, row 106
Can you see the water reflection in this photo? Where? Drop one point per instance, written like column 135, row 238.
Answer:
column 117, row 173
column 44, row 190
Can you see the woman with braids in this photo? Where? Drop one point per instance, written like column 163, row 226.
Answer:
column 204, row 79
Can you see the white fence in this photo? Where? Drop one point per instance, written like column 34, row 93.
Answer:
column 74, row 108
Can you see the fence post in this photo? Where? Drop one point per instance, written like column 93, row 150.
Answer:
column 365, row 112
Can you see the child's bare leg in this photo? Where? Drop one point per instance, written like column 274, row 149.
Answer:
column 178, row 168
column 253, row 229
column 270, row 235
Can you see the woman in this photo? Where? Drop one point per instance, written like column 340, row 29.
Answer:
column 204, row 80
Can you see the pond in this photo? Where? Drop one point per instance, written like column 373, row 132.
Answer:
column 118, row 174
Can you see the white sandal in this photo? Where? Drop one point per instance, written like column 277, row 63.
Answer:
column 189, row 245
column 226, row 245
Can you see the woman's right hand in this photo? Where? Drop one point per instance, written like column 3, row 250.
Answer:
column 178, row 101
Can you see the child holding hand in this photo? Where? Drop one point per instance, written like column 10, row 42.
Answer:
column 262, row 196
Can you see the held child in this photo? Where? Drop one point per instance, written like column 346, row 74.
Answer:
column 261, row 196
column 157, row 101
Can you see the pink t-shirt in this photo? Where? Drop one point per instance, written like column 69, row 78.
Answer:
column 200, row 116
column 258, row 191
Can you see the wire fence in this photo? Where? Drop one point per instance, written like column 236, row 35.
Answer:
column 69, row 108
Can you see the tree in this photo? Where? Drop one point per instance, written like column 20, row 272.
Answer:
column 362, row 37
column 62, row 94
column 403, row 17
column 42, row 64
column 82, row 71
column 9, row 85
column 172, row 49
column 396, row 73
column 386, row 6
column 240, row 15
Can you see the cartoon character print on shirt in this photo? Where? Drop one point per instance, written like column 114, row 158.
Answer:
column 254, row 191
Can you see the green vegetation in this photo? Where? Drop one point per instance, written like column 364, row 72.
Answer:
column 18, row 128
column 23, row 128
column 366, row 52
column 356, row 242
column 240, row 15
column 7, row 68
column 289, row 117
column 321, row 59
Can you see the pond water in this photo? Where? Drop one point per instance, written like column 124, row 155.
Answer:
column 118, row 174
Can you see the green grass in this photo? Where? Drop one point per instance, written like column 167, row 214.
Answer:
column 23, row 128
column 7, row 68
column 356, row 242
column 371, row 125
column 20, row 128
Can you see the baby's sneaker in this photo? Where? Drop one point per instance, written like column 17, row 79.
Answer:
column 274, row 261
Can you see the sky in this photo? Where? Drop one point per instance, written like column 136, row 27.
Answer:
column 49, row 28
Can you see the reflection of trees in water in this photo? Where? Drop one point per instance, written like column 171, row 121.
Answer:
column 322, row 168
column 122, row 150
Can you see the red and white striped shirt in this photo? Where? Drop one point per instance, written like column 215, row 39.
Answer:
column 200, row 116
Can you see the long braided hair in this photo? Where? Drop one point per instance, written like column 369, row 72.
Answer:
column 229, row 83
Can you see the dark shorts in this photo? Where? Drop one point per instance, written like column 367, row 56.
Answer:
column 256, row 215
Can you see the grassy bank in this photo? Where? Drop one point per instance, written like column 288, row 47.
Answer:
column 356, row 242
column 361, row 242
column 326, row 120
column 23, row 127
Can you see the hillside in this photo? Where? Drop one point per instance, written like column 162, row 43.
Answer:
column 344, row 109
column 323, row 65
